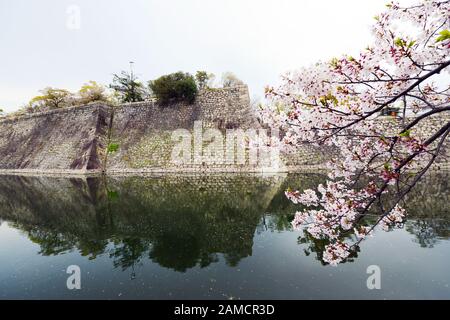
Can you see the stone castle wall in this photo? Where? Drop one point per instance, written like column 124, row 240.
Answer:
column 75, row 140
column 314, row 157
column 143, row 131
column 72, row 139
column 424, row 130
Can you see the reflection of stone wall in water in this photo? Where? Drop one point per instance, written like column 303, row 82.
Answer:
column 430, row 197
column 429, row 210
column 177, row 221
column 427, row 206
column 180, row 221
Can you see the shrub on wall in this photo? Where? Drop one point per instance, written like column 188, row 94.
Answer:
column 113, row 147
column 128, row 88
column 229, row 79
column 92, row 92
column 51, row 98
column 204, row 79
column 174, row 87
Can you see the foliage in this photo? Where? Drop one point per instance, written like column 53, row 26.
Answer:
column 203, row 79
column 51, row 98
column 333, row 103
column 175, row 87
column 229, row 79
column 113, row 147
column 128, row 88
column 92, row 92
column 444, row 35
column 113, row 195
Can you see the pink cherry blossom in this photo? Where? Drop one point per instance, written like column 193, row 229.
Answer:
column 336, row 253
column 335, row 104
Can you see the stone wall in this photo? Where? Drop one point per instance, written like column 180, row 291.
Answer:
column 75, row 140
column 143, row 131
column 310, row 156
column 226, row 108
column 423, row 130
column 72, row 139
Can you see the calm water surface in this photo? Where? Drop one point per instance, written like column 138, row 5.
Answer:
column 212, row 237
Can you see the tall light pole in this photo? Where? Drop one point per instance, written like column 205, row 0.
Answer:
column 131, row 70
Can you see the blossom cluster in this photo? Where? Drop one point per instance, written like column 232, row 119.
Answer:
column 334, row 103
column 395, row 218
column 336, row 253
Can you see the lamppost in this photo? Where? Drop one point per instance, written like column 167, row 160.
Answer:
column 131, row 70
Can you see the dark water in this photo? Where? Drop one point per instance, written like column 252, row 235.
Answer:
column 214, row 237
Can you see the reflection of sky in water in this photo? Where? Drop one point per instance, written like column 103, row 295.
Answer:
column 234, row 251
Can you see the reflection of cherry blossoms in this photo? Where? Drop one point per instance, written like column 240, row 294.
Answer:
column 394, row 218
column 336, row 253
column 334, row 104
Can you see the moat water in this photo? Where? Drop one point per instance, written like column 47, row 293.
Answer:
column 211, row 237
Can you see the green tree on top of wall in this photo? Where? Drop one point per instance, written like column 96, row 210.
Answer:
column 92, row 92
column 229, row 79
column 128, row 88
column 204, row 79
column 51, row 98
column 174, row 87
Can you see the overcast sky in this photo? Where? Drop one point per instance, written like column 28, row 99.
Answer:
column 41, row 44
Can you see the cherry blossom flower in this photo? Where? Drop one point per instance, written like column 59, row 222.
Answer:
column 335, row 253
column 336, row 104
column 308, row 197
column 362, row 232
column 395, row 218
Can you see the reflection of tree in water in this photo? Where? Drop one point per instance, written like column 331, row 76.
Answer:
column 180, row 253
column 177, row 223
column 428, row 212
column 128, row 253
column 428, row 232
column 51, row 243
column 180, row 223
column 317, row 246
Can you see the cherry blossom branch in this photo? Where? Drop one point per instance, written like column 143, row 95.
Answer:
column 334, row 103
column 404, row 92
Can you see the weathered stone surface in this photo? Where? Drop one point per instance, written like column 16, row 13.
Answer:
column 72, row 139
column 75, row 140
column 143, row 131
column 309, row 156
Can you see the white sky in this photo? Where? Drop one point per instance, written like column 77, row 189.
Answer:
column 255, row 39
